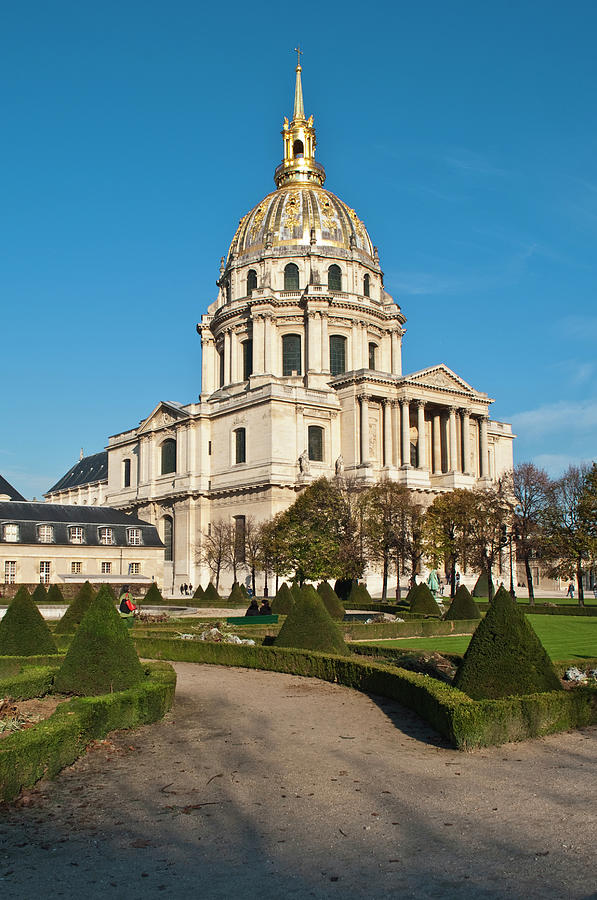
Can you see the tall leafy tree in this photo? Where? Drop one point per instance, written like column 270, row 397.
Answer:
column 490, row 518
column 447, row 530
column 530, row 486
column 213, row 549
column 385, row 508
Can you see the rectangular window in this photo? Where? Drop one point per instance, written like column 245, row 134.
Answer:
column 337, row 354
column 209, row 448
column 133, row 536
column 315, row 440
column 76, row 568
column 44, row 572
column 106, row 536
column 106, row 568
column 134, row 568
column 10, row 571
column 76, row 534
column 247, row 359
column 291, row 354
column 372, row 349
column 45, row 534
column 240, row 443
column 126, row 473
column 11, row 533
column 239, row 538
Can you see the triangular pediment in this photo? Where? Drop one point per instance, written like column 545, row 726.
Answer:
column 166, row 413
column 441, row 377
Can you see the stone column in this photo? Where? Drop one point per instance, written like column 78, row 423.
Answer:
column 422, row 436
column 466, row 440
column 227, row 355
column 437, row 444
column 208, row 372
column 234, row 357
column 313, row 342
column 453, row 444
column 396, row 432
column 325, row 344
column 364, row 429
column 405, row 416
column 396, row 354
column 258, row 345
column 483, row 447
column 354, row 347
column 268, row 344
column 364, row 347
column 387, row 433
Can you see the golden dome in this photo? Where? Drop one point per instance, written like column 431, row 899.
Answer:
column 298, row 215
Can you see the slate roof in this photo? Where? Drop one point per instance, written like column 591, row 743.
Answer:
column 6, row 488
column 86, row 471
column 29, row 515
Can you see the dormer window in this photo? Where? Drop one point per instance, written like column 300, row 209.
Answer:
column 106, row 536
column 11, row 533
column 76, row 534
column 45, row 534
column 133, row 537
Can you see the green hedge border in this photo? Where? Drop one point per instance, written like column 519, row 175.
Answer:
column 539, row 610
column 27, row 756
column 414, row 628
column 12, row 665
column 464, row 722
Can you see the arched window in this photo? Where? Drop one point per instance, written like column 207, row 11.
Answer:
column 337, row 354
column 168, row 456
column 168, row 538
column 366, row 286
column 247, row 359
column 298, row 149
column 291, row 354
column 291, row 277
column 221, row 365
column 315, row 443
column 251, row 281
column 334, row 278
column 372, row 355
column 240, row 445
column 126, row 473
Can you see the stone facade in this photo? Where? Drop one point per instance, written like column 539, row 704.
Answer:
column 301, row 378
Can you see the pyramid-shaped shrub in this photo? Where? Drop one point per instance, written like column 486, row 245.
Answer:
column 423, row 602
column 463, row 606
column 411, row 593
column 40, row 595
column 153, row 595
column 358, row 594
column 243, row 588
column 283, row 601
column 236, row 595
column 295, row 590
column 211, row 595
column 23, row 631
column 101, row 657
column 77, row 609
column 55, row 594
column 331, row 601
column 309, row 626
column 481, row 588
column 199, row 593
column 505, row 657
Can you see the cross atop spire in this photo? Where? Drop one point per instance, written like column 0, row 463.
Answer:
column 299, row 109
column 299, row 51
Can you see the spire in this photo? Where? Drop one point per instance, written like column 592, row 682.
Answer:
column 299, row 109
column 298, row 165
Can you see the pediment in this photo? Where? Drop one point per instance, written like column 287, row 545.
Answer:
column 164, row 415
column 441, row 377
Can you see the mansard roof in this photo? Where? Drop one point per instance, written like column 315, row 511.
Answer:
column 7, row 488
column 86, row 471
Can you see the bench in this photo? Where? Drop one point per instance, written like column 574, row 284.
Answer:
column 252, row 620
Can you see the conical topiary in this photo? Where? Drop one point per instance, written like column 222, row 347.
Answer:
column 411, row 593
column 283, row 601
column 76, row 610
column 481, row 588
column 199, row 593
column 153, row 595
column 243, row 588
column 342, row 589
column 111, row 592
column 423, row 602
column 505, row 657
column 23, row 631
column 463, row 606
column 295, row 590
column 40, row 595
column 211, row 595
column 309, row 626
column 101, row 657
column 331, row 601
column 55, row 594
column 236, row 595
column 358, row 595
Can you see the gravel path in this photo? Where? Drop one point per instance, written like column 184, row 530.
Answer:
column 270, row 785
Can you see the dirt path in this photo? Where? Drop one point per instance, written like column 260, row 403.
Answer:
column 259, row 784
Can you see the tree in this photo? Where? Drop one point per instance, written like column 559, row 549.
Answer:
column 213, row 549
column 414, row 547
column 490, row 516
column 530, row 486
column 446, row 530
column 384, row 512
column 571, row 525
column 275, row 557
column 254, row 556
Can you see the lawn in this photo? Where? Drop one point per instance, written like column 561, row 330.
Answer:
column 562, row 637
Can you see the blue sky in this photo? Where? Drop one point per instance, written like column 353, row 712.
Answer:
column 136, row 134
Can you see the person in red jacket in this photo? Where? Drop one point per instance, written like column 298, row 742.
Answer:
column 125, row 602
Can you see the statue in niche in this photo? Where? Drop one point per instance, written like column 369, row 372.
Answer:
column 303, row 462
column 340, row 466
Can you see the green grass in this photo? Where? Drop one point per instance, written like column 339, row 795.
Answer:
column 562, row 637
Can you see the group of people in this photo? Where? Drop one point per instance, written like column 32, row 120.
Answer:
column 186, row 590
column 256, row 610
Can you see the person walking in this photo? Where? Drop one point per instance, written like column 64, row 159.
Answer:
column 570, row 591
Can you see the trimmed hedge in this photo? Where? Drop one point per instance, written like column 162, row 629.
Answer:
column 35, row 681
column 14, row 665
column 211, row 596
column 539, row 610
column 466, row 723
column 77, row 609
column 40, row 595
column 358, row 631
column 422, row 601
column 23, row 630
column 236, row 595
column 199, row 593
column 55, row 595
column 481, row 588
column 44, row 750
column 331, row 601
column 358, row 595
column 310, row 626
column 283, row 601
column 153, row 595
column 463, row 606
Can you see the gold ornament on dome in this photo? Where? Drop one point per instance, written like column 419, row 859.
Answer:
column 357, row 222
column 292, row 212
column 257, row 220
column 328, row 215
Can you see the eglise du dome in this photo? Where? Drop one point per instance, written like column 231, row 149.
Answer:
column 301, row 378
